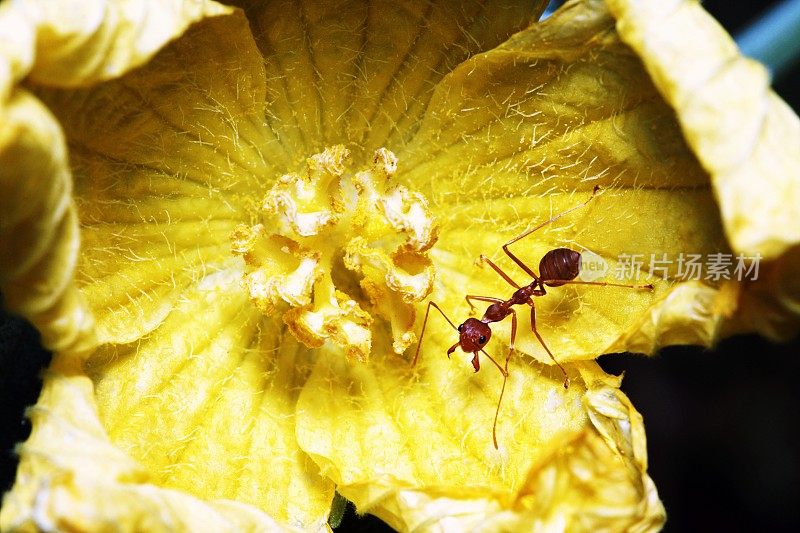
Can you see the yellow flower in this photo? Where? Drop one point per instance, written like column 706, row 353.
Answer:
column 266, row 197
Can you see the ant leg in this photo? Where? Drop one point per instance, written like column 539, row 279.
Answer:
column 492, row 359
column 470, row 297
column 541, row 340
column 504, row 371
column 425, row 323
column 648, row 287
column 500, row 271
column 524, row 234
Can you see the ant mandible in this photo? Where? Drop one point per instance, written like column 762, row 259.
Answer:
column 557, row 267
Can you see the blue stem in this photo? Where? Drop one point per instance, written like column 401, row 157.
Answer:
column 552, row 6
column 774, row 38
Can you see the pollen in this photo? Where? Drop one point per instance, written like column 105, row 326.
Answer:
column 340, row 252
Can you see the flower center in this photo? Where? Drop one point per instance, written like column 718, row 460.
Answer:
column 327, row 222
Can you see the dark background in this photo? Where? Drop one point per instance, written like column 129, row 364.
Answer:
column 722, row 425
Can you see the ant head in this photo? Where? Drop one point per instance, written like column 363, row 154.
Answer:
column 473, row 335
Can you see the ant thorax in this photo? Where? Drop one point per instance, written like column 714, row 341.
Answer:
column 496, row 312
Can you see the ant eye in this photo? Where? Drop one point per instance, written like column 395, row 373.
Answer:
column 461, row 327
column 481, row 339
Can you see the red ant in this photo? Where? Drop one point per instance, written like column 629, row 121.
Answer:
column 558, row 267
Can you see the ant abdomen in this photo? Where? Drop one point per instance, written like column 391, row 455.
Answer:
column 559, row 264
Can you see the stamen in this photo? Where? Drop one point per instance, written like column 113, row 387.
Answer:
column 329, row 217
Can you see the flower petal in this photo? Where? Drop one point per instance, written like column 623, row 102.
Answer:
column 524, row 132
column 71, row 477
column 64, row 43
column 39, row 229
column 80, row 42
column 419, row 454
column 745, row 136
column 205, row 403
column 161, row 157
column 363, row 73
column 747, row 139
column 191, row 380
